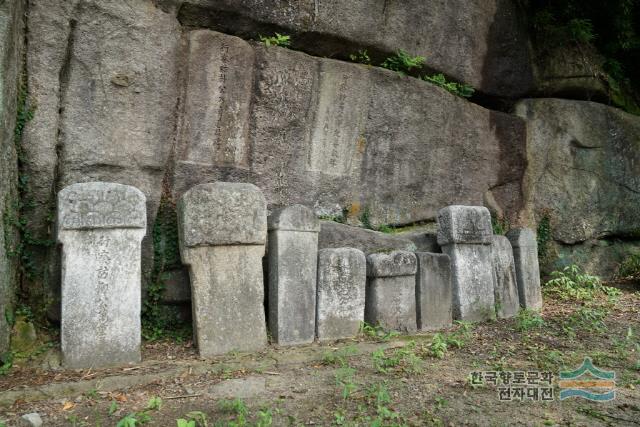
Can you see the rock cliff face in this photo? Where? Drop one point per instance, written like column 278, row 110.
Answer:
column 11, row 44
column 583, row 175
column 167, row 94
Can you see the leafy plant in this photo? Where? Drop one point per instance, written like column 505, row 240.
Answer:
column 572, row 283
column 377, row 333
column 403, row 63
column 461, row 89
column 276, row 40
column 500, row 225
column 581, row 30
column 199, row 417
column 528, row 319
column 344, row 379
column 438, row 346
column 155, row 403
column 185, row 423
column 630, row 267
column 361, row 56
column 134, row 419
column 544, row 236
column 339, row 357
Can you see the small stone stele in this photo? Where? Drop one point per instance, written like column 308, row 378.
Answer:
column 100, row 226
column 391, row 291
column 464, row 232
column 342, row 278
column 505, row 285
column 525, row 255
column 222, row 230
column 433, row 291
column 292, row 258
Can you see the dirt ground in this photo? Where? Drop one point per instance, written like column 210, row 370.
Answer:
column 376, row 380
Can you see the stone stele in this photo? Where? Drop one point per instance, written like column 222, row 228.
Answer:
column 525, row 254
column 464, row 232
column 391, row 291
column 505, row 285
column 342, row 278
column 222, row 231
column 293, row 259
column 100, row 227
column 433, row 291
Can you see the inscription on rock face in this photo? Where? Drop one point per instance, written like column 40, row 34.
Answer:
column 217, row 100
column 101, row 205
column 464, row 224
column 341, row 113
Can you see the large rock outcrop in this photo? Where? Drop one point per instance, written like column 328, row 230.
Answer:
column 11, row 44
column 103, row 75
column 338, row 136
column 479, row 42
column 583, row 175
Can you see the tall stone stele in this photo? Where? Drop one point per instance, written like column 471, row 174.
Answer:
column 342, row 279
column 391, row 291
column 505, row 285
column 222, row 231
column 433, row 291
column 525, row 254
column 100, row 227
column 464, row 232
column 293, row 258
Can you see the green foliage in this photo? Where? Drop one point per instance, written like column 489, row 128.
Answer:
column 276, row 40
column 339, row 357
column 438, row 346
column 6, row 362
column 572, row 284
column 235, row 406
column 365, row 218
column 403, row 63
column 461, row 89
column 612, row 27
column 385, row 228
column 155, row 403
column 198, row 417
column 441, row 342
column 361, row 57
column 159, row 320
column 134, row 419
column 544, row 236
column 185, row 423
column 376, row 333
column 500, row 225
column 528, row 319
column 630, row 267
column 345, row 380
column 404, row 357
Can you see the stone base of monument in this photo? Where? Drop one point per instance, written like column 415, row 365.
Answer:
column 342, row 277
column 391, row 291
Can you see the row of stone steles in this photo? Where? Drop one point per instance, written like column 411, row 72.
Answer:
column 324, row 295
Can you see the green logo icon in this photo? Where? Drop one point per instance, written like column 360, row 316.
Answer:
column 588, row 382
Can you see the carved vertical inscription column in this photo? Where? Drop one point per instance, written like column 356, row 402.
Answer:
column 525, row 254
column 464, row 232
column 100, row 227
column 223, row 230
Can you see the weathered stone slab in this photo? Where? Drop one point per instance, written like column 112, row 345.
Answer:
column 327, row 134
column 101, row 226
column 342, row 278
column 434, row 293
column 505, row 285
column 525, row 254
column 391, row 291
column 223, row 228
column 336, row 235
column 293, row 259
column 465, row 235
column 480, row 42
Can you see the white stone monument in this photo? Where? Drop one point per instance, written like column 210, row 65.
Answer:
column 100, row 227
